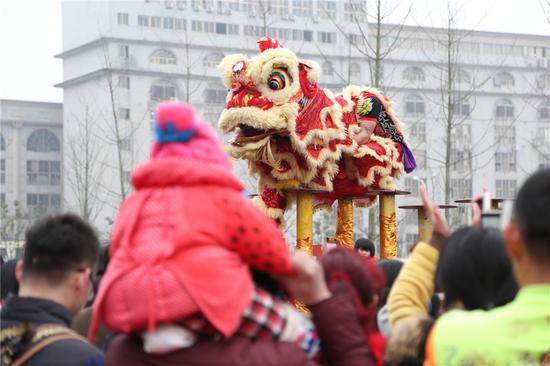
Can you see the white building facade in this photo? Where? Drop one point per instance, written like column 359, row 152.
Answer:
column 121, row 57
column 31, row 155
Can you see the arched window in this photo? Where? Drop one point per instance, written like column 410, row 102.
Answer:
column 504, row 109
column 503, row 79
column 543, row 81
column 355, row 70
column 414, row 73
column 43, row 141
column 414, row 105
column 462, row 77
column 328, row 69
column 544, row 111
column 163, row 57
column 2, row 143
column 215, row 94
column 163, row 90
column 212, row 59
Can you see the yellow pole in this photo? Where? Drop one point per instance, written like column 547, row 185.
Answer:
column 344, row 223
column 304, row 220
column 388, row 226
column 424, row 226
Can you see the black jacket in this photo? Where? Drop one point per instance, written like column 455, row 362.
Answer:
column 35, row 311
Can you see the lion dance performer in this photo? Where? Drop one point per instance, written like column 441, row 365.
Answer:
column 292, row 131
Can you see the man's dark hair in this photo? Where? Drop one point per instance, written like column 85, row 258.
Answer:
column 474, row 269
column 532, row 214
column 366, row 245
column 57, row 245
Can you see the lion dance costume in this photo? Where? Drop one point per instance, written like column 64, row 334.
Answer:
column 291, row 131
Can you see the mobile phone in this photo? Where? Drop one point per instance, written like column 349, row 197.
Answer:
column 491, row 220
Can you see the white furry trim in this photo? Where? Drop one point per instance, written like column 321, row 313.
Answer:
column 314, row 70
column 277, row 117
column 388, row 182
column 226, row 67
column 274, row 213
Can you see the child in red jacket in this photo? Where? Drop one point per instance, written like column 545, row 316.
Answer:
column 183, row 244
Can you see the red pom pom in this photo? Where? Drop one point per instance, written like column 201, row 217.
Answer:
column 266, row 43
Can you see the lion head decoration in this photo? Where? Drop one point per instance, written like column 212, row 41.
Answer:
column 294, row 133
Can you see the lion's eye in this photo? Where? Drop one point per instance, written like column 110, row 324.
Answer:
column 278, row 79
column 239, row 66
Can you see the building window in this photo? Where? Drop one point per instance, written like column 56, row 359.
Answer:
column 355, row 70
column 124, row 82
column 123, row 51
column 143, row 20
column 505, row 136
column 214, row 94
column 414, row 105
column 163, row 90
column 2, row 171
column 2, row 143
column 504, row 109
column 156, row 22
column 413, row 74
column 544, row 111
column 169, row 23
column 461, row 160
column 326, row 37
column 544, row 161
column 126, row 176
column 461, row 188
column 505, row 188
column 43, row 141
column 40, row 204
column 212, row 59
column 461, row 108
column 418, row 132
column 462, row 77
column 124, row 113
column 326, row 9
column 505, row 161
column 461, row 135
column 126, row 144
column 40, row 172
column 122, row 18
column 163, row 57
column 181, row 24
column 543, row 81
column 503, row 79
column 354, row 9
column 302, row 8
column 543, row 136
column 327, row 68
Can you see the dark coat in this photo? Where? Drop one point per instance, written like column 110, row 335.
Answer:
column 344, row 344
column 70, row 352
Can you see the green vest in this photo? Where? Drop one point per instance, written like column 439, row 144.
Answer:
column 515, row 334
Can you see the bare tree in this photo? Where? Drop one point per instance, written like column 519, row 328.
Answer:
column 83, row 173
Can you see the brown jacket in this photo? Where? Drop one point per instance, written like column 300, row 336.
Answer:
column 344, row 344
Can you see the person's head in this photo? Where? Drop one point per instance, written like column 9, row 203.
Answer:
column 180, row 134
column 391, row 268
column 347, row 271
column 474, row 270
column 407, row 342
column 528, row 234
column 365, row 247
column 59, row 256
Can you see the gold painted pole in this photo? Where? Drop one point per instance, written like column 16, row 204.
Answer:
column 304, row 221
column 344, row 223
column 424, row 226
column 388, row 226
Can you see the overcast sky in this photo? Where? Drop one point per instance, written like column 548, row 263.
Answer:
column 30, row 35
